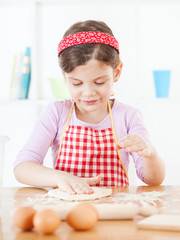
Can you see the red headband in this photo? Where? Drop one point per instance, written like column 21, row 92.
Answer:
column 87, row 37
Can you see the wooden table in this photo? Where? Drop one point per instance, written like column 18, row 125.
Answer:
column 103, row 230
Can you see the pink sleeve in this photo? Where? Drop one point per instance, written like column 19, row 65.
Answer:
column 128, row 120
column 136, row 126
column 41, row 137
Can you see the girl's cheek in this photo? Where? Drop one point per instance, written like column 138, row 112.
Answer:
column 107, row 92
column 72, row 91
column 74, row 94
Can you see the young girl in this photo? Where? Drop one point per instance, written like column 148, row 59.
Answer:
column 90, row 135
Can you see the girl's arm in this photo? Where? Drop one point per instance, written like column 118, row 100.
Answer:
column 149, row 166
column 153, row 168
column 28, row 167
column 34, row 174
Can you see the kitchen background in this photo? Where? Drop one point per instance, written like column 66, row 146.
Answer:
column 149, row 36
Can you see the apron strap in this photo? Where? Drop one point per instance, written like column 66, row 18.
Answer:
column 115, row 139
column 70, row 112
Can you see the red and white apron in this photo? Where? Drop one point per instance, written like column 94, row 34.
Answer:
column 86, row 152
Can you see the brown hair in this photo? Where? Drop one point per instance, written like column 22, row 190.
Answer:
column 79, row 54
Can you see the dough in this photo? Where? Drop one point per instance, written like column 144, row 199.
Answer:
column 99, row 192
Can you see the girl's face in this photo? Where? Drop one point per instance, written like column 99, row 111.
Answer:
column 90, row 85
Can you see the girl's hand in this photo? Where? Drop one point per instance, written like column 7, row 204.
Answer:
column 153, row 165
column 135, row 143
column 75, row 185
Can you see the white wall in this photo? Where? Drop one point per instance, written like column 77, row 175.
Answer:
column 149, row 36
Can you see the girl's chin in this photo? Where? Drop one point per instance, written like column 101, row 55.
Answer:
column 87, row 105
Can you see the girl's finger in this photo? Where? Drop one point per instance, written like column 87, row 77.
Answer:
column 129, row 141
column 67, row 188
column 93, row 180
column 135, row 148
column 86, row 189
column 80, row 189
column 143, row 153
column 146, row 152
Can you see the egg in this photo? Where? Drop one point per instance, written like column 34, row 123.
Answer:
column 94, row 209
column 46, row 221
column 82, row 217
column 23, row 217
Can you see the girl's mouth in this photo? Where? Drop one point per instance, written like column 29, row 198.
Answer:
column 90, row 102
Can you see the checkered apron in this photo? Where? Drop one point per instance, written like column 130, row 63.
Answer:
column 86, row 153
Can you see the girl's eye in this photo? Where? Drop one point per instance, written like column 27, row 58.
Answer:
column 77, row 84
column 99, row 83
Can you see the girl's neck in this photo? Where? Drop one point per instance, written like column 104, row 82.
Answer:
column 93, row 117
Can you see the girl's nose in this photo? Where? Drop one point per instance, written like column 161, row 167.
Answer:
column 89, row 91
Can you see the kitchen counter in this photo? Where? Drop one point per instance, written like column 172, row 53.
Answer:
column 103, row 230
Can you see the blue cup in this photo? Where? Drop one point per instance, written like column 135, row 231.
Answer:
column 162, row 83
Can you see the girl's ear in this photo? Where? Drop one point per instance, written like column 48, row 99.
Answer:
column 117, row 71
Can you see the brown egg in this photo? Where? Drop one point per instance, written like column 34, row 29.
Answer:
column 23, row 217
column 82, row 217
column 94, row 209
column 46, row 221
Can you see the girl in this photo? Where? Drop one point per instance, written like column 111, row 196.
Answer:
column 90, row 135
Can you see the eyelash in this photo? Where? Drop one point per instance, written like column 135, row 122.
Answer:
column 78, row 84
column 99, row 83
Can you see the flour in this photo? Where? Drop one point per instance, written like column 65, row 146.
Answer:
column 140, row 199
column 143, row 199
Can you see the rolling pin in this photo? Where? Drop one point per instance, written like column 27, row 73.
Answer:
column 108, row 211
column 123, row 211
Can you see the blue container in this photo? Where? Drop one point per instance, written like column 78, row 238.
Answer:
column 25, row 75
column 162, row 83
